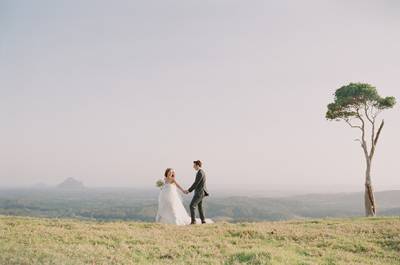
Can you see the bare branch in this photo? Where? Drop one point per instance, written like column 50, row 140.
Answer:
column 366, row 108
column 371, row 118
column 351, row 125
column 372, row 121
column 373, row 134
column 375, row 115
column 358, row 140
column 379, row 132
column 375, row 141
column 363, row 143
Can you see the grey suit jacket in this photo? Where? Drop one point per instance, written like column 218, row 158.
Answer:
column 199, row 185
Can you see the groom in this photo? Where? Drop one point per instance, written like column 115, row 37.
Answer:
column 200, row 191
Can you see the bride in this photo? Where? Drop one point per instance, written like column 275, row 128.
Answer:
column 170, row 206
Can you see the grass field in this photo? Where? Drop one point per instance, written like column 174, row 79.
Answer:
column 331, row 241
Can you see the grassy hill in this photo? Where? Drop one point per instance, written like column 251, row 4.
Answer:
column 331, row 241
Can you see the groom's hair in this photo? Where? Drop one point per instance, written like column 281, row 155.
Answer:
column 198, row 163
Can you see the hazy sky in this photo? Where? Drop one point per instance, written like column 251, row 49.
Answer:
column 113, row 92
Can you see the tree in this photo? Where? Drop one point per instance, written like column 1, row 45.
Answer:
column 359, row 105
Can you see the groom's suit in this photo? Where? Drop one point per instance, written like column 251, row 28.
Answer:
column 200, row 191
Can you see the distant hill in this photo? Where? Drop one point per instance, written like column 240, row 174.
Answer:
column 325, row 242
column 71, row 184
column 39, row 185
column 141, row 205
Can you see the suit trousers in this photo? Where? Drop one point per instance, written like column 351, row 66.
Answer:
column 197, row 201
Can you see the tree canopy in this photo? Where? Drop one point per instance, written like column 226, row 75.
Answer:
column 354, row 98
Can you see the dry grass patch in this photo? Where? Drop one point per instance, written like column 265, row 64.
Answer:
column 332, row 241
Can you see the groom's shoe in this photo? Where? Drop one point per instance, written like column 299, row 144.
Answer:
column 203, row 222
column 193, row 223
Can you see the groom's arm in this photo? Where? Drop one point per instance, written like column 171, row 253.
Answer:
column 199, row 176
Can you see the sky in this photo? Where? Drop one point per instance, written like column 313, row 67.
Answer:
column 114, row 92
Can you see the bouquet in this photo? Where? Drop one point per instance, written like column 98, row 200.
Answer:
column 160, row 184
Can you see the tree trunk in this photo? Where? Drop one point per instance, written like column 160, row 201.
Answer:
column 369, row 199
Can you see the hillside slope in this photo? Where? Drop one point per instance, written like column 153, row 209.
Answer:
column 141, row 205
column 332, row 241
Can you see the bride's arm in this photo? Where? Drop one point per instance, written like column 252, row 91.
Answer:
column 179, row 187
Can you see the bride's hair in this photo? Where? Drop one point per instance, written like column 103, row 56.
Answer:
column 167, row 172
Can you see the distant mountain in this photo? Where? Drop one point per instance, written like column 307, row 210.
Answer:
column 390, row 212
column 71, row 184
column 39, row 185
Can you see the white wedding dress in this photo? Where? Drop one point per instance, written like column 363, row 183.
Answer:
column 171, row 209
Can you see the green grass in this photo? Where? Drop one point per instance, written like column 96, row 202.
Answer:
column 326, row 242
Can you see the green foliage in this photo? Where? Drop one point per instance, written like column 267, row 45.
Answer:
column 352, row 98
